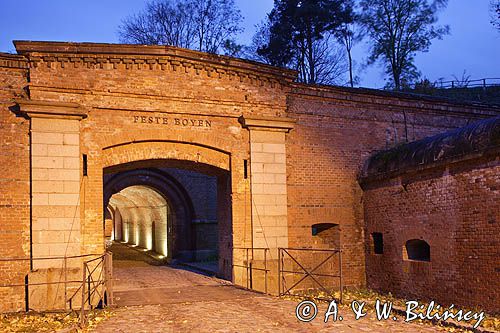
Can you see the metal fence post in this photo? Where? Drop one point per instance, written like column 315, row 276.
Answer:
column 26, row 292
column 82, row 309
column 109, row 278
column 279, row 271
column 340, row 273
column 65, row 284
column 89, row 291
column 265, row 269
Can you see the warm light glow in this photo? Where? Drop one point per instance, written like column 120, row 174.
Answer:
column 126, row 230
column 136, row 234
column 149, row 239
column 164, row 247
column 143, row 214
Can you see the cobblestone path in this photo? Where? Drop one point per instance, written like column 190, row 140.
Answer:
column 165, row 299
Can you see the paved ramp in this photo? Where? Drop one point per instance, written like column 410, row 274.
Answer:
column 168, row 299
column 140, row 280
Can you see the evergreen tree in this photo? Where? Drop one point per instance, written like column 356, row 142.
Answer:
column 299, row 32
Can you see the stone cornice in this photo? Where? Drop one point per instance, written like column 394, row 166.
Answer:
column 112, row 56
column 267, row 123
column 13, row 61
column 50, row 109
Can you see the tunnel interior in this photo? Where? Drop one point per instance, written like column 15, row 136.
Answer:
column 140, row 217
column 170, row 213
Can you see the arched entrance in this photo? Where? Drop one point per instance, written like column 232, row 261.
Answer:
column 171, row 212
column 113, row 111
column 178, row 208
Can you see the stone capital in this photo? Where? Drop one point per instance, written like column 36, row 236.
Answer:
column 50, row 109
column 267, row 123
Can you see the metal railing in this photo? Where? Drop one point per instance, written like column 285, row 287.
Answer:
column 450, row 84
column 96, row 285
column 63, row 280
column 309, row 269
column 249, row 267
column 484, row 83
column 96, row 271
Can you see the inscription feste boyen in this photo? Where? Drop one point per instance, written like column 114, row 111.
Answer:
column 182, row 122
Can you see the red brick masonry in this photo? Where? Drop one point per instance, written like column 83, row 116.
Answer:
column 445, row 191
column 335, row 130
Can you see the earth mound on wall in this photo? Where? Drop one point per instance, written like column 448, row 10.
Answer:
column 479, row 138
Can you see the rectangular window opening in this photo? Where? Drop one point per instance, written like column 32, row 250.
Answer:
column 377, row 243
column 85, row 170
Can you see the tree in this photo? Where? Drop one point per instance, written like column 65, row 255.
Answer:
column 260, row 39
column 495, row 13
column 216, row 22
column 326, row 66
column 299, row 37
column 162, row 22
column 398, row 29
column 348, row 36
column 203, row 25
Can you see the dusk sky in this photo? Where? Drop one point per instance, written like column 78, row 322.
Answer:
column 473, row 45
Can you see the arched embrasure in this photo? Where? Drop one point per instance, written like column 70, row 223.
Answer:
column 417, row 249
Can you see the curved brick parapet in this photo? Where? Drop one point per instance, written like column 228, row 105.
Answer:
column 478, row 138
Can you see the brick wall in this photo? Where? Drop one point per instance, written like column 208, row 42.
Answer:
column 337, row 130
column 121, row 91
column 455, row 209
column 169, row 108
column 202, row 190
column 14, row 183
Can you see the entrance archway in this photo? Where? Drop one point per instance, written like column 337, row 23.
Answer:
column 179, row 172
column 169, row 212
column 154, row 200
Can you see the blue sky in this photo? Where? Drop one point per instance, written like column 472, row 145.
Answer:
column 473, row 45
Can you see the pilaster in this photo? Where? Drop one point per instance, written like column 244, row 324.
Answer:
column 268, row 180
column 56, row 173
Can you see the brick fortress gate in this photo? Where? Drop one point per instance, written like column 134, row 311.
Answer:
column 107, row 141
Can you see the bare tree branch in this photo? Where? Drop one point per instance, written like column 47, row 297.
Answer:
column 398, row 29
column 203, row 25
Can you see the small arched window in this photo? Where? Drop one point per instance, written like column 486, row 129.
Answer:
column 417, row 249
column 327, row 233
